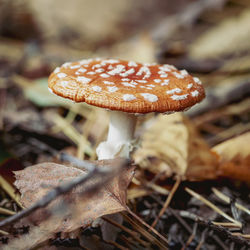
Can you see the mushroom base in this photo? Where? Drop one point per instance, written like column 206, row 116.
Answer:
column 120, row 135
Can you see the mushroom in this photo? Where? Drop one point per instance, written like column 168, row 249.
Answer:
column 126, row 88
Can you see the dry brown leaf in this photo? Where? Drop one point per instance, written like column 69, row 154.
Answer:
column 230, row 36
column 35, row 181
column 172, row 145
column 235, row 157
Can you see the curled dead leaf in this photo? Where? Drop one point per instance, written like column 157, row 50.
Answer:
column 235, row 157
column 173, row 146
column 36, row 181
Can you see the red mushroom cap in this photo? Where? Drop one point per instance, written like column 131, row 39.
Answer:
column 127, row 86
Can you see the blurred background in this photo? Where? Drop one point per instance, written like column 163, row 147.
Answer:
column 208, row 38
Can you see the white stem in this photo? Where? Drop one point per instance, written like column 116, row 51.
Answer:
column 120, row 135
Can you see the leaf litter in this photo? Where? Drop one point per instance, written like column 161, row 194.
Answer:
column 212, row 145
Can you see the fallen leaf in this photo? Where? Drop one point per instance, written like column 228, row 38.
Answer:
column 235, row 157
column 35, row 181
column 172, row 145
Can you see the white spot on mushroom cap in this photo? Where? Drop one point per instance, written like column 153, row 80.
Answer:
column 165, row 82
column 142, row 81
column 149, row 97
column 195, row 93
column 91, row 73
column 178, row 75
column 190, row 85
column 66, row 65
column 83, row 79
column 61, row 75
column 128, row 72
column 179, row 97
column 172, row 91
column 145, row 70
column 128, row 97
column 50, row 90
column 64, row 83
column 111, row 61
column 127, row 84
column 151, row 85
column 112, row 89
column 183, row 72
column 96, row 66
column 108, row 82
column 132, row 64
column 57, row 70
column 85, row 61
column 97, row 88
column 197, row 80
column 75, row 66
column 100, row 70
column 82, row 70
column 157, row 80
column 117, row 70
column 125, row 79
column 105, row 75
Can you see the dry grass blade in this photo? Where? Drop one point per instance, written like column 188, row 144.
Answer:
column 3, row 232
column 226, row 224
column 132, row 233
column 148, row 226
column 211, row 205
column 245, row 236
column 10, row 191
column 227, row 200
column 72, row 133
column 6, row 211
column 145, row 233
column 168, row 200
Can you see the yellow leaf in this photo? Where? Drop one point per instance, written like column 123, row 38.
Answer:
column 235, row 157
column 172, row 145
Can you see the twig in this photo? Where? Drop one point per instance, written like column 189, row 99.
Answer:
column 191, row 237
column 168, row 200
column 227, row 200
column 6, row 211
column 146, row 225
column 202, row 239
column 211, row 205
column 226, row 224
column 144, row 232
column 3, row 232
column 219, row 229
column 63, row 189
column 132, row 233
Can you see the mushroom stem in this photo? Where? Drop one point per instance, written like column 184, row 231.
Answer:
column 120, row 135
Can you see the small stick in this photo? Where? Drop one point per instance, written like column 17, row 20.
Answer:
column 127, row 230
column 191, row 237
column 211, row 205
column 226, row 224
column 148, row 226
column 3, row 232
column 246, row 236
column 6, row 211
column 227, row 200
column 219, row 229
column 202, row 239
column 168, row 200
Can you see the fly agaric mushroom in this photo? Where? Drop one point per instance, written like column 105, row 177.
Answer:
column 126, row 88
